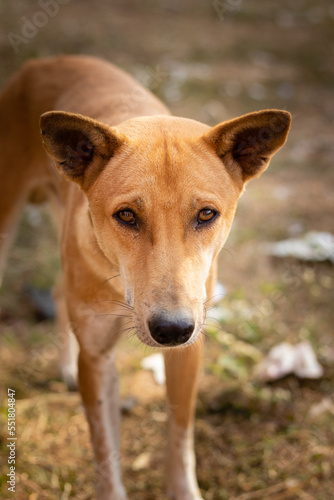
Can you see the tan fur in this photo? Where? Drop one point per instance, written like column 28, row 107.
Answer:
column 122, row 151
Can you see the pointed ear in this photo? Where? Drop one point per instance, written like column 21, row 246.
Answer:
column 247, row 144
column 80, row 146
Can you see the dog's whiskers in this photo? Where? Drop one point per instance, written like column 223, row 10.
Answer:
column 114, row 314
column 116, row 302
column 217, row 326
column 129, row 329
column 105, row 281
column 213, row 297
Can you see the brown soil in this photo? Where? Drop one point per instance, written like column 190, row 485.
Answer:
column 208, row 61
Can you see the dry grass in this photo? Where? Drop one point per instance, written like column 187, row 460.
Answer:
column 254, row 441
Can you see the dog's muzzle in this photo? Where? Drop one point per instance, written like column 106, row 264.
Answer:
column 172, row 329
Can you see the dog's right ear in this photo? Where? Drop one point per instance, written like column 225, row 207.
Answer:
column 80, row 146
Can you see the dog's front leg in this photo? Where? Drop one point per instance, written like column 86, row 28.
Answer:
column 182, row 369
column 98, row 383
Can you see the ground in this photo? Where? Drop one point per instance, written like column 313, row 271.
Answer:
column 209, row 61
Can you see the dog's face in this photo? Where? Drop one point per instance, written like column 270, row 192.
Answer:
column 162, row 194
column 167, row 209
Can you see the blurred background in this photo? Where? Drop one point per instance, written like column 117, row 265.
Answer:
column 210, row 61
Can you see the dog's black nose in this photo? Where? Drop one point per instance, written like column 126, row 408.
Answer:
column 172, row 329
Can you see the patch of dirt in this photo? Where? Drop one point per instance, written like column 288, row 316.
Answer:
column 207, row 61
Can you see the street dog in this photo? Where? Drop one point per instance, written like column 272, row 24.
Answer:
column 144, row 202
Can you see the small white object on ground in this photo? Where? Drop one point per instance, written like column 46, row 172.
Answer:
column 313, row 246
column 285, row 358
column 156, row 363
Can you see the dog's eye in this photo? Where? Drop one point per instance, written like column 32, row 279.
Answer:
column 127, row 217
column 206, row 215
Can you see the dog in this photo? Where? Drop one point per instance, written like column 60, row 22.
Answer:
column 144, row 202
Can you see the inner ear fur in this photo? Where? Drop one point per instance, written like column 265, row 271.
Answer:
column 80, row 146
column 246, row 144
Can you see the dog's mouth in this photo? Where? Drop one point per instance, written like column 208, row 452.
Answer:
column 164, row 323
column 150, row 342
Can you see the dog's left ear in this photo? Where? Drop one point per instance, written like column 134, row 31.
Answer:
column 246, row 144
column 80, row 146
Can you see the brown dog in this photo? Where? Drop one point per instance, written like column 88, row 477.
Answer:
column 150, row 204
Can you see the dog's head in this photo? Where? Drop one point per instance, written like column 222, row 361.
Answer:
column 162, row 193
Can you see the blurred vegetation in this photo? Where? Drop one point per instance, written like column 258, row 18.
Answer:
column 209, row 61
